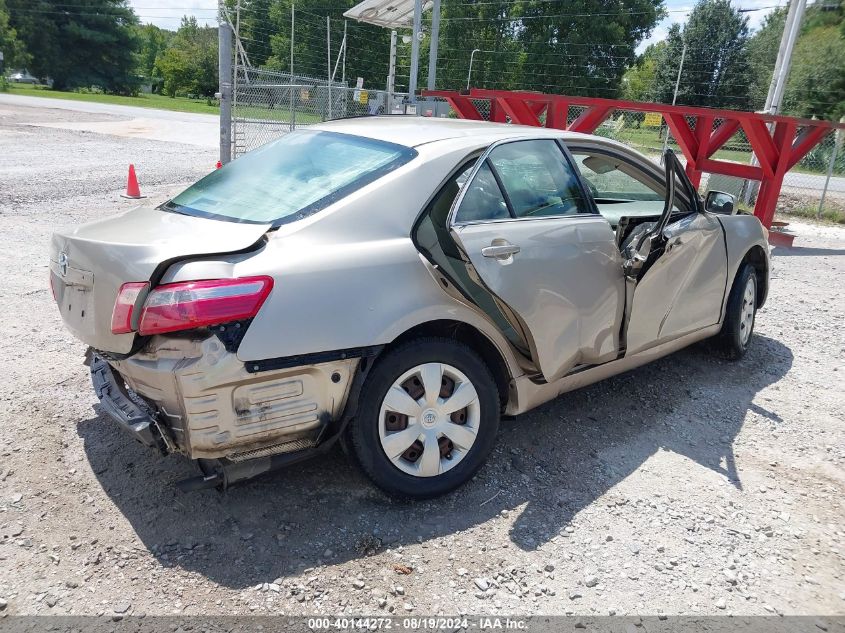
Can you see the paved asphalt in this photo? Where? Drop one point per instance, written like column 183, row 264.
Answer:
column 147, row 123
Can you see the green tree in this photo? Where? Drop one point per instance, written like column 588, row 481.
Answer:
column 816, row 83
column 582, row 47
column 638, row 81
column 368, row 46
column 14, row 53
column 189, row 64
column 499, row 62
column 762, row 53
column 815, row 86
column 80, row 44
column 153, row 41
column 587, row 47
column 254, row 28
column 716, row 69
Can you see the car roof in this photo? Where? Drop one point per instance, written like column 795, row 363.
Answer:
column 413, row 131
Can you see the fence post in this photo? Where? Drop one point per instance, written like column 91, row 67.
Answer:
column 329, row 64
column 391, row 73
column 432, row 49
column 292, row 98
column 415, row 52
column 343, row 72
column 224, row 68
column 837, row 143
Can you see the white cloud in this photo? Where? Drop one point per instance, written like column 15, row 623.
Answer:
column 168, row 13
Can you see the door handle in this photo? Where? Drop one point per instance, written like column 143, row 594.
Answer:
column 500, row 251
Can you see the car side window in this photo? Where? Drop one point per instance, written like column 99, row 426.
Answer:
column 611, row 178
column 483, row 199
column 538, row 179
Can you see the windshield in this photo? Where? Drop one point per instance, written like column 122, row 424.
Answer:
column 285, row 180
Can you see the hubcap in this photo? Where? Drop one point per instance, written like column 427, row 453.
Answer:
column 746, row 318
column 429, row 419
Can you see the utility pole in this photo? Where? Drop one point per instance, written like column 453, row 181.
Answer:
column 415, row 51
column 674, row 99
column 780, row 74
column 784, row 59
column 432, row 49
column 224, row 69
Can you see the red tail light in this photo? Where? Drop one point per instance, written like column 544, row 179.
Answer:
column 193, row 304
column 124, row 306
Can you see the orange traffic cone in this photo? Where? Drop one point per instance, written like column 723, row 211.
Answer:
column 133, row 191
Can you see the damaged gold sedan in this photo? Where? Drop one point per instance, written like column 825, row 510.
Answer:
column 397, row 284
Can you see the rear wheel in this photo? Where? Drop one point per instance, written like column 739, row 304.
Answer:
column 428, row 418
column 734, row 339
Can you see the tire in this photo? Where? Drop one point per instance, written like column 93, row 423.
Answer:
column 740, row 313
column 458, row 440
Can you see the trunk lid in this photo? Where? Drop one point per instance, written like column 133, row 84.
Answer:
column 89, row 263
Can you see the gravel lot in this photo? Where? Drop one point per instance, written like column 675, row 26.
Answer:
column 690, row 486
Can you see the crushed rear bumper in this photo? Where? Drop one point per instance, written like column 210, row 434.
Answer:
column 121, row 408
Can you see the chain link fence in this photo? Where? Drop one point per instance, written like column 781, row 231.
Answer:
column 805, row 186
column 268, row 104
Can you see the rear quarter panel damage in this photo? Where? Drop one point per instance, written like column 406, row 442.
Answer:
column 214, row 407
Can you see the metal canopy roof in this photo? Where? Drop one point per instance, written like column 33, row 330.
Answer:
column 391, row 14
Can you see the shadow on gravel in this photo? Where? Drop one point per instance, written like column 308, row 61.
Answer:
column 548, row 465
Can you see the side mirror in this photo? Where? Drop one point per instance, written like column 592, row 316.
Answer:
column 720, row 202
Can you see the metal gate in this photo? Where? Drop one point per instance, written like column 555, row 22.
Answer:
column 267, row 104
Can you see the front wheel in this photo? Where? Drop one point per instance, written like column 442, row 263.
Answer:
column 428, row 418
column 740, row 312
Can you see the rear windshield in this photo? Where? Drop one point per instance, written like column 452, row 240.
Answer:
column 285, row 180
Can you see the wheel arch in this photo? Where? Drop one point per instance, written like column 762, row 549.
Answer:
column 473, row 338
column 756, row 257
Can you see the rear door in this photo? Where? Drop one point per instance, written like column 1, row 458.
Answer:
column 529, row 234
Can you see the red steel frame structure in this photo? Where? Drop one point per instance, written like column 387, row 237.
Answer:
column 779, row 142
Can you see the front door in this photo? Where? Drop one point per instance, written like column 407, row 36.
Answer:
column 527, row 232
column 676, row 268
column 683, row 290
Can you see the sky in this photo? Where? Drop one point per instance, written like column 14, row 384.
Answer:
column 168, row 13
column 678, row 10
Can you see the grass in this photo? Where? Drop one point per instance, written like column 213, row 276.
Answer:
column 159, row 102
column 829, row 214
column 648, row 141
